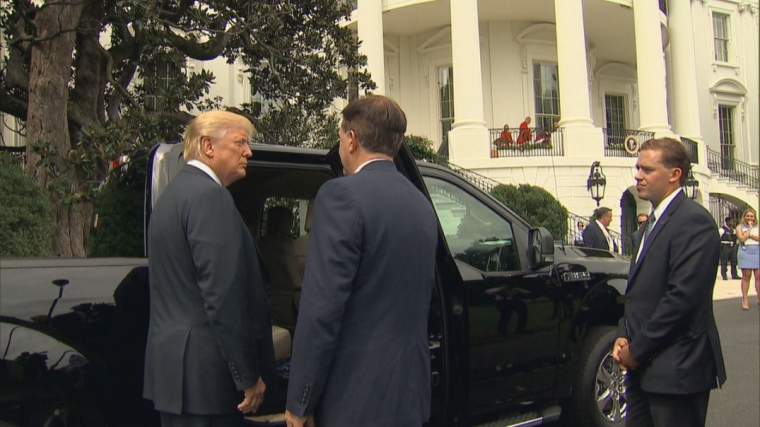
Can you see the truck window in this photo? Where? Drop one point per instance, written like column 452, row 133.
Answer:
column 296, row 206
column 476, row 235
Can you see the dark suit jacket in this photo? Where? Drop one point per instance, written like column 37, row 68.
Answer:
column 594, row 238
column 669, row 313
column 209, row 335
column 360, row 353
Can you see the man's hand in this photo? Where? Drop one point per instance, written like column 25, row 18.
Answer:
column 254, row 395
column 293, row 420
column 617, row 348
column 626, row 361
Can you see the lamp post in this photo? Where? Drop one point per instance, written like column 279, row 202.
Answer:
column 691, row 185
column 596, row 182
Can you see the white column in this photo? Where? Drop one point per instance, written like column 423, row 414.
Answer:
column 749, row 55
column 370, row 23
column 686, row 108
column 468, row 139
column 650, row 67
column 579, row 135
column 685, row 98
column 571, row 56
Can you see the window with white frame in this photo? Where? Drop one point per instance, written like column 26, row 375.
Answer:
column 614, row 106
column 720, row 36
column 259, row 104
column 726, row 126
column 156, row 79
column 546, row 94
column 446, row 99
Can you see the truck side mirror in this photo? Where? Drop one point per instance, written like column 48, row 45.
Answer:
column 540, row 248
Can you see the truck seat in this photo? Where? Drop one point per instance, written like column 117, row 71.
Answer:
column 282, row 342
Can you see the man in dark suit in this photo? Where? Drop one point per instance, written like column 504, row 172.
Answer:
column 668, row 340
column 360, row 353
column 728, row 249
column 596, row 235
column 209, row 353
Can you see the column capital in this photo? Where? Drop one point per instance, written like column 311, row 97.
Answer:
column 748, row 7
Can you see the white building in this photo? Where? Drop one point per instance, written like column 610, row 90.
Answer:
column 604, row 69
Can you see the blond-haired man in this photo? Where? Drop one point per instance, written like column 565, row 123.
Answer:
column 209, row 353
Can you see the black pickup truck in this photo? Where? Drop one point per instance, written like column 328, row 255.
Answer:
column 520, row 328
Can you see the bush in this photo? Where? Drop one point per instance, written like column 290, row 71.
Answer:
column 535, row 205
column 119, row 205
column 422, row 149
column 26, row 216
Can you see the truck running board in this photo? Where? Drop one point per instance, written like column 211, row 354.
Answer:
column 527, row 419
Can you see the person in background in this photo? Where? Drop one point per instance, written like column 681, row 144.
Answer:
column 506, row 137
column 668, row 341
column 749, row 254
column 580, row 226
column 525, row 134
column 209, row 355
column 728, row 249
column 596, row 235
column 502, row 142
column 641, row 220
column 360, row 352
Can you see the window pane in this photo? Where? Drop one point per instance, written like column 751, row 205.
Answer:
column 475, row 234
column 546, row 94
column 720, row 36
column 615, row 111
column 446, row 93
column 726, row 124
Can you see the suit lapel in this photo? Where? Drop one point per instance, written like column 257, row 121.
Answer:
column 652, row 237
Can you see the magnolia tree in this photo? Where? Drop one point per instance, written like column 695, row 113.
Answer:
column 81, row 76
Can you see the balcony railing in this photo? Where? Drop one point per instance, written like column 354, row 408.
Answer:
column 691, row 148
column 614, row 141
column 733, row 169
column 531, row 143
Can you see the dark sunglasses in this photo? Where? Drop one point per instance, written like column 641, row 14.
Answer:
column 641, row 222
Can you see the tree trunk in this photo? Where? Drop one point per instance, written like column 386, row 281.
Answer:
column 47, row 121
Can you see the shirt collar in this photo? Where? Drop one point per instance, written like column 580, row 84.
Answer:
column 659, row 209
column 205, row 168
column 361, row 166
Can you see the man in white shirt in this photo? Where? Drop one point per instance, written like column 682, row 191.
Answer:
column 667, row 338
column 209, row 356
column 596, row 234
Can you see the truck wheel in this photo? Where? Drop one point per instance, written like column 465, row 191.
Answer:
column 598, row 398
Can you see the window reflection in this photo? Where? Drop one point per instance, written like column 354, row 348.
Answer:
column 476, row 235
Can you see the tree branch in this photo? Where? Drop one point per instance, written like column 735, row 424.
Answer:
column 9, row 104
column 177, row 116
column 199, row 51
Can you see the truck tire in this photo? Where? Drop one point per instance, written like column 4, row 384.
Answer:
column 598, row 398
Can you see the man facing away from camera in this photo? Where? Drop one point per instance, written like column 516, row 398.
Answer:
column 360, row 351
